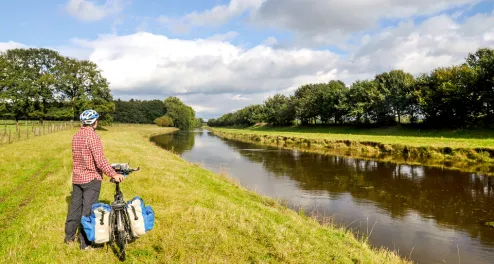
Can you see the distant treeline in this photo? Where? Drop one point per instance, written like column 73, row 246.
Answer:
column 168, row 113
column 456, row 96
column 138, row 112
column 44, row 85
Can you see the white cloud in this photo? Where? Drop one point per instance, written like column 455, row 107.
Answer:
column 333, row 21
column 11, row 45
column 202, row 109
column 216, row 76
column 86, row 10
column 148, row 63
column 439, row 41
column 271, row 41
column 315, row 21
column 224, row 37
column 239, row 97
column 215, row 16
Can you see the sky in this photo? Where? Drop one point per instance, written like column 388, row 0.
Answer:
column 221, row 55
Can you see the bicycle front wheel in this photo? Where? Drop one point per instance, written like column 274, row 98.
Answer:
column 120, row 234
column 122, row 242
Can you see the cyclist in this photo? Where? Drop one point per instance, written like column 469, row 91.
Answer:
column 89, row 164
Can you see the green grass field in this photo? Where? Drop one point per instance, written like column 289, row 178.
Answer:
column 393, row 135
column 201, row 217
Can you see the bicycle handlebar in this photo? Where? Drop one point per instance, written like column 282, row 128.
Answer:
column 124, row 169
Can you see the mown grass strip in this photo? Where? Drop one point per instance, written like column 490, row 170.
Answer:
column 201, row 217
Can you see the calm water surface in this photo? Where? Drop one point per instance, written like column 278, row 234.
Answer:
column 426, row 213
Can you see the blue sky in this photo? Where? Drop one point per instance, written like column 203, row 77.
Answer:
column 47, row 23
column 242, row 51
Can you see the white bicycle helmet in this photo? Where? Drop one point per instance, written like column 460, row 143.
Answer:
column 88, row 117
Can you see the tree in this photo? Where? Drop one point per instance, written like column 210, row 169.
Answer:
column 482, row 62
column 29, row 79
column 365, row 100
column 152, row 109
column 5, row 72
column 333, row 101
column 307, row 102
column 42, row 84
column 396, row 87
column 279, row 110
column 82, row 85
column 164, row 121
column 445, row 96
column 183, row 116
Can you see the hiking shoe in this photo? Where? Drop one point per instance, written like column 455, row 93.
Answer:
column 87, row 248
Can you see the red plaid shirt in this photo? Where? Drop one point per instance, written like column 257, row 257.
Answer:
column 89, row 162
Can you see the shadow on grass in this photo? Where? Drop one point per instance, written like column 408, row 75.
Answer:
column 68, row 199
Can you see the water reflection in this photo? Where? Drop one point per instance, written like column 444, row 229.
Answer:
column 429, row 211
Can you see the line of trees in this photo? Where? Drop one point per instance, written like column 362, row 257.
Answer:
column 171, row 112
column 44, row 85
column 456, row 96
column 138, row 111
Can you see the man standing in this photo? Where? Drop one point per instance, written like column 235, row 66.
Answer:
column 89, row 164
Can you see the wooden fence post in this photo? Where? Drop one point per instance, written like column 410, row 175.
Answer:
column 9, row 136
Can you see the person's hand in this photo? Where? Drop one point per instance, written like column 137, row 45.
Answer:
column 118, row 178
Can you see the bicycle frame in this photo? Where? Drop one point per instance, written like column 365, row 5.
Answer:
column 119, row 219
column 119, row 207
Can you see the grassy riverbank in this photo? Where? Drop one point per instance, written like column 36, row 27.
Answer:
column 465, row 150
column 201, row 217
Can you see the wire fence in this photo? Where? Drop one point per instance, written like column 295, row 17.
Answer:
column 11, row 132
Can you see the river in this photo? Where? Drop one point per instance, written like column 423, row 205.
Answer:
column 427, row 214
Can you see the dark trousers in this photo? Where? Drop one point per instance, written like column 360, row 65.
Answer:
column 83, row 197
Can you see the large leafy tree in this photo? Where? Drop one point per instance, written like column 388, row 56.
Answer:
column 82, row 86
column 29, row 81
column 307, row 102
column 279, row 110
column 332, row 101
column 446, row 98
column 396, row 86
column 5, row 72
column 42, row 84
column 183, row 116
column 364, row 102
column 482, row 62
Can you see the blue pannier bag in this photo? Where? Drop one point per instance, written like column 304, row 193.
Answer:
column 97, row 224
column 141, row 216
